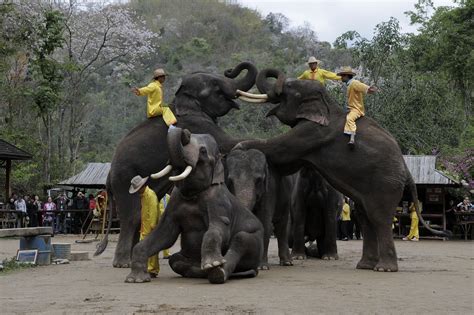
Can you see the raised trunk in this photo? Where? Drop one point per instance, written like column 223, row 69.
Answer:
column 245, row 83
column 272, row 90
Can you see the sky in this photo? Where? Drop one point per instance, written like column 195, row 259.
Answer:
column 331, row 18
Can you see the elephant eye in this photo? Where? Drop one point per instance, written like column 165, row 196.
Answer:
column 298, row 94
column 202, row 150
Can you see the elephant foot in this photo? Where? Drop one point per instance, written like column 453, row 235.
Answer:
column 366, row 264
column 212, row 262
column 217, row 275
column 298, row 256
column 330, row 257
column 286, row 262
column 264, row 266
column 121, row 262
column 138, row 277
column 386, row 267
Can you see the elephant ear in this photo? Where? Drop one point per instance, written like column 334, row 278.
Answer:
column 314, row 109
column 218, row 175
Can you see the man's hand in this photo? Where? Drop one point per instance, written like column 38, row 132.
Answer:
column 136, row 91
column 372, row 89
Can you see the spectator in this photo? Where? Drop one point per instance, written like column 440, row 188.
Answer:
column 414, row 234
column 20, row 207
column 465, row 205
column 80, row 202
column 32, row 210
column 48, row 215
column 355, row 224
column 39, row 206
column 346, row 220
column 61, row 205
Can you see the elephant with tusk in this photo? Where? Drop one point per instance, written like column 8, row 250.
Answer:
column 219, row 236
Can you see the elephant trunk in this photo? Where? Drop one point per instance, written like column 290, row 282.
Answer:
column 245, row 194
column 178, row 137
column 245, row 83
column 272, row 90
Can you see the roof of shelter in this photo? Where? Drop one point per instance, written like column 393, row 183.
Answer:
column 423, row 170
column 10, row 152
column 93, row 176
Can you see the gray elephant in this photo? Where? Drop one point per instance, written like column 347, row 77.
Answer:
column 219, row 236
column 374, row 175
column 199, row 101
column 315, row 206
column 260, row 188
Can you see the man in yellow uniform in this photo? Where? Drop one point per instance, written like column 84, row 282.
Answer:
column 346, row 220
column 150, row 216
column 356, row 91
column 163, row 204
column 316, row 73
column 155, row 105
column 414, row 234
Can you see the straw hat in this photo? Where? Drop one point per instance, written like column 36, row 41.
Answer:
column 159, row 73
column 346, row 70
column 313, row 59
column 136, row 183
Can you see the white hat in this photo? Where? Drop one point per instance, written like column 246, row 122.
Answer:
column 159, row 73
column 313, row 59
column 346, row 70
column 136, row 183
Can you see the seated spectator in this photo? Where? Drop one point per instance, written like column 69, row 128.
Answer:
column 48, row 216
column 465, row 205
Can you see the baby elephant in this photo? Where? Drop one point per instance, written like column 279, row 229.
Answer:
column 219, row 236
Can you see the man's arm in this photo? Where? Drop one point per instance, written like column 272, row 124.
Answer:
column 303, row 76
column 144, row 90
column 330, row 75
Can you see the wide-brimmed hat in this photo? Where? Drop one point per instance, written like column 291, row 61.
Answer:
column 136, row 183
column 159, row 73
column 313, row 59
column 346, row 70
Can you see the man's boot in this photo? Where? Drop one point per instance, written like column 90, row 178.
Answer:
column 351, row 142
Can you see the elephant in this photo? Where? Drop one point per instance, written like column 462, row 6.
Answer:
column 219, row 236
column 201, row 98
column 374, row 174
column 315, row 206
column 260, row 188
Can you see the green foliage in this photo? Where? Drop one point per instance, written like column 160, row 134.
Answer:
column 11, row 265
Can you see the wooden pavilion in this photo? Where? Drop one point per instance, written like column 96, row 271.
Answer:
column 9, row 153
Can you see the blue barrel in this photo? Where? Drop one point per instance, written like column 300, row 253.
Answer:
column 42, row 243
column 62, row 250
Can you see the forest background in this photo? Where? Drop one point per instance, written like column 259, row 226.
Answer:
column 66, row 69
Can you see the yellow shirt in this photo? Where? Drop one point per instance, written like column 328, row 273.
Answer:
column 155, row 106
column 150, row 211
column 413, row 209
column 346, row 212
column 320, row 75
column 164, row 203
column 355, row 96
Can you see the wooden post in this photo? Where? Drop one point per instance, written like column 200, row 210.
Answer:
column 8, row 168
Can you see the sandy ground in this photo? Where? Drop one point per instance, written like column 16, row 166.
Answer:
column 434, row 277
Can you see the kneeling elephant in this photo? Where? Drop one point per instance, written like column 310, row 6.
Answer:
column 219, row 236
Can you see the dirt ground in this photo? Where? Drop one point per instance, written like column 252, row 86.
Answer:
column 434, row 277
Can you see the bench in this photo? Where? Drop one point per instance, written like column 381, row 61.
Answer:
column 26, row 232
column 38, row 238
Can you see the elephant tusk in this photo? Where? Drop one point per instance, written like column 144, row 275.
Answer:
column 183, row 175
column 251, row 95
column 252, row 100
column 162, row 173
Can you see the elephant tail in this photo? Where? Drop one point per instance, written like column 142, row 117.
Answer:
column 414, row 194
column 102, row 245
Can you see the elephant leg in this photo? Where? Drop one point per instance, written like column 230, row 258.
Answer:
column 128, row 207
column 370, row 251
column 186, row 267
column 330, row 233
column 264, row 213
column 280, row 223
column 242, row 257
column 211, row 248
column 298, row 228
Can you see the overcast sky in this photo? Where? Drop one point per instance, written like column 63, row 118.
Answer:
column 331, row 18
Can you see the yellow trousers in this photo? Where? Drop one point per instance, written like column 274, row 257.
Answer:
column 168, row 116
column 153, row 265
column 414, row 232
column 350, row 126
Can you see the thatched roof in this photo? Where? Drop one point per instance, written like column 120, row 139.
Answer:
column 10, row 152
column 423, row 169
column 93, row 176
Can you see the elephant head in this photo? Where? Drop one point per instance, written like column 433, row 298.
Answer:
column 298, row 99
column 247, row 173
column 213, row 94
column 195, row 159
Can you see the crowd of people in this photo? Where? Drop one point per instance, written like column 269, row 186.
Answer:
column 31, row 211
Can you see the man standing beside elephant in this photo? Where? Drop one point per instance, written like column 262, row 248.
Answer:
column 155, row 105
column 316, row 73
column 356, row 91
